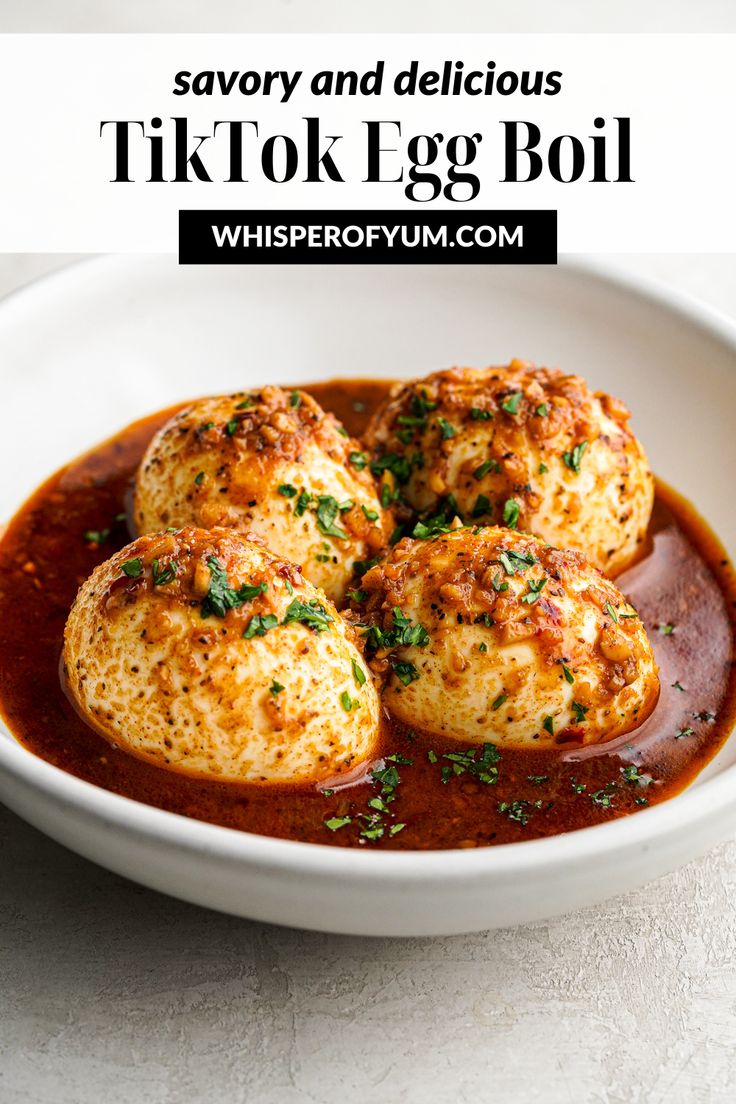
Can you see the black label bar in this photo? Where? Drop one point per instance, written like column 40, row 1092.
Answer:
column 368, row 237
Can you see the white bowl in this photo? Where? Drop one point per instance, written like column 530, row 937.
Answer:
column 106, row 341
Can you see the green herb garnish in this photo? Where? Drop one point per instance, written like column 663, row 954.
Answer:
column 327, row 510
column 259, row 625
column 485, row 467
column 302, row 503
column 96, row 536
column 312, row 614
column 579, row 711
column 573, row 458
column 535, row 589
column 162, row 576
column 221, row 596
column 511, row 404
column 405, row 672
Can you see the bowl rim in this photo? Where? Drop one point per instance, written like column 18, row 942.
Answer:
column 627, row 834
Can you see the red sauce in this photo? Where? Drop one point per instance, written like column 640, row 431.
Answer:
column 685, row 580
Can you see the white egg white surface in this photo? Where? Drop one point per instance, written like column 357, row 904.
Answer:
column 273, row 464
column 201, row 652
column 491, row 635
column 531, row 447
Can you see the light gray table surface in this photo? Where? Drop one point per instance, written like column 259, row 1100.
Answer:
column 111, row 993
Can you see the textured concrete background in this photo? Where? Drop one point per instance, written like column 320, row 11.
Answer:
column 109, row 992
column 113, row 993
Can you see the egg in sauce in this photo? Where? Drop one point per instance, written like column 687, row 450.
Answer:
column 417, row 789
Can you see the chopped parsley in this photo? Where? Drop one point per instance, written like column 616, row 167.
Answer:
column 405, row 672
column 361, row 566
column 399, row 466
column 676, row 686
column 288, row 490
column 302, row 503
column 611, row 611
column 245, row 404
column 357, row 595
column 479, row 415
column 387, row 495
column 515, row 810
column 537, row 779
column 511, row 510
column 542, row 410
column 604, row 798
column 259, row 625
column 579, row 711
column 573, row 458
column 275, row 688
column 482, row 506
column 446, row 429
column 481, row 765
column 498, row 702
column 221, row 596
column 535, row 589
column 96, row 536
column 312, row 614
column 511, row 404
column 666, row 630
column 421, row 406
column 404, row 633
column 337, row 822
column 359, row 460
column 199, row 478
column 548, row 724
column 371, row 515
column 347, row 702
column 542, row 469
column 485, row 467
column 327, row 510
column 516, row 561
column 634, row 775
column 231, row 426
column 682, row 732
column 162, row 576
column 433, row 526
column 133, row 568
column 358, row 673
column 295, row 400
column 569, row 677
